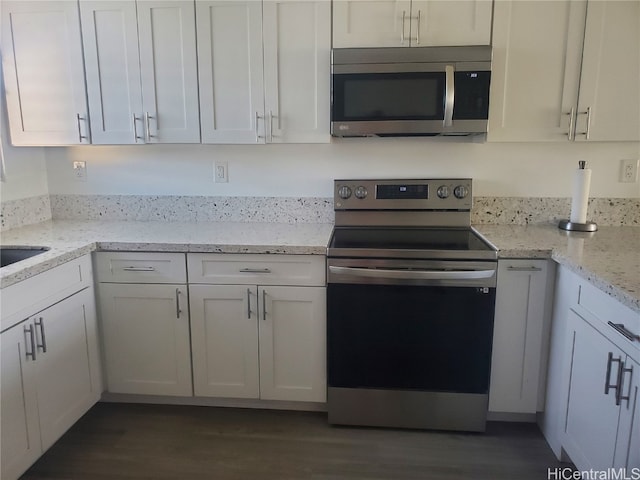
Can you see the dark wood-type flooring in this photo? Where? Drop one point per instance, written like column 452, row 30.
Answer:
column 157, row 442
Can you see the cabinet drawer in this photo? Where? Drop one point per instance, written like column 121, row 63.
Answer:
column 261, row 269
column 140, row 267
column 34, row 294
column 602, row 311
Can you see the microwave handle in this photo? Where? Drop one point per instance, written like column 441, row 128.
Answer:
column 449, row 95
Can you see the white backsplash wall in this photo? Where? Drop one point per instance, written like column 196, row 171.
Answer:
column 498, row 170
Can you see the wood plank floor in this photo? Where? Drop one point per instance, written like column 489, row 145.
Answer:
column 158, row 442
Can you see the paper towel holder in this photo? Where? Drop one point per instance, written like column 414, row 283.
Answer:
column 576, row 226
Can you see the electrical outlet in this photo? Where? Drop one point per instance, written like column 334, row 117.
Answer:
column 220, row 172
column 80, row 171
column 629, row 171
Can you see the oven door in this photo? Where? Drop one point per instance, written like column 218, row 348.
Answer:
column 393, row 342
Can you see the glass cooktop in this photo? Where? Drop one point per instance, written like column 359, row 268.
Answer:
column 409, row 242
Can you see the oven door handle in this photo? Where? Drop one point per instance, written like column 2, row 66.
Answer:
column 413, row 274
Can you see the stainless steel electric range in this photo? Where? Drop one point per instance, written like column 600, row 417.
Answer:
column 410, row 304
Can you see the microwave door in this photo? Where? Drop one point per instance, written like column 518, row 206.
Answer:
column 388, row 103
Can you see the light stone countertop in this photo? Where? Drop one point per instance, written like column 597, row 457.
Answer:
column 72, row 239
column 609, row 258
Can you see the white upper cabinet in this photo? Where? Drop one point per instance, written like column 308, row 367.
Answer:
column 609, row 100
column 572, row 79
column 230, row 71
column 141, row 71
column 297, row 44
column 44, row 73
column 404, row 23
column 264, row 71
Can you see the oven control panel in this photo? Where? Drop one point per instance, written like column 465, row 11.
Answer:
column 407, row 194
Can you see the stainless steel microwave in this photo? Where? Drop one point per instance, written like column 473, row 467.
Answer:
column 410, row 91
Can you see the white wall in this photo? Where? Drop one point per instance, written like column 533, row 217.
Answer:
column 539, row 170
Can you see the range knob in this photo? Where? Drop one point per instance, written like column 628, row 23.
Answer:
column 361, row 192
column 344, row 192
column 461, row 191
column 443, row 191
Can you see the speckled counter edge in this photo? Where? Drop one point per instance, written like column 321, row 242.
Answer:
column 26, row 211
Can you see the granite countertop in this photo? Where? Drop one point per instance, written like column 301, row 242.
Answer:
column 609, row 258
column 72, row 239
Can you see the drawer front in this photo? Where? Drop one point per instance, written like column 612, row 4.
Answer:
column 34, row 294
column 140, row 267
column 616, row 321
column 250, row 269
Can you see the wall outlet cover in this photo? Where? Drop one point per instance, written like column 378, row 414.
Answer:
column 220, row 172
column 629, row 171
column 80, row 171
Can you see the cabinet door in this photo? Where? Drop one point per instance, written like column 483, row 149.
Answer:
column 444, row 23
column 292, row 325
column 110, row 40
column 168, row 63
column 230, row 79
column 592, row 415
column 371, row 23
column 19, row 429
column 68, row 370
column 44, row 73
column 534, row 77
column 518, row 336
column 610, row 73
column 297, row 44
column 224, row 340
column 146, row 338
column 628, row 445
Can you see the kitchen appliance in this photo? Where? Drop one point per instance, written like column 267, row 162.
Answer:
column 410, row 306
column 410, row 91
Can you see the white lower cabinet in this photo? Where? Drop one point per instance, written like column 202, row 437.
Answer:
column 145, row 322
column 520, row 336
column 145, row 332
column 258, row 341
column 50, row 378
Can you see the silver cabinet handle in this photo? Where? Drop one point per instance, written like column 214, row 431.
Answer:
column 622, row 330
column 264, row 305
column 412, row 274
column 587, row 112
column 80, row 136
column 607, row 383
column 449, row 95
column 511, row 268
column 147, row 122
column 258, row 136
column 178, row 311
column 404, row 14
column 32, row 342
column 135, row 129
column 619, row 396
column 249, row 303
column 40, row 323
column 255, row 270
column 271, row 117
column 139, row 269
column 418, row 31
column 572, row 119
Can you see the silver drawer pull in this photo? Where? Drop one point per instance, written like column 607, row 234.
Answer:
column 511, row 268
column 255, row 270
column 139, row 269
column 607, row 381
column 622, row 330
column 39, row 322
column 178, row 310
column 621, row 373
column 32, row 341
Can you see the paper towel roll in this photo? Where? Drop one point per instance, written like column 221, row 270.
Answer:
column 580, row 199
